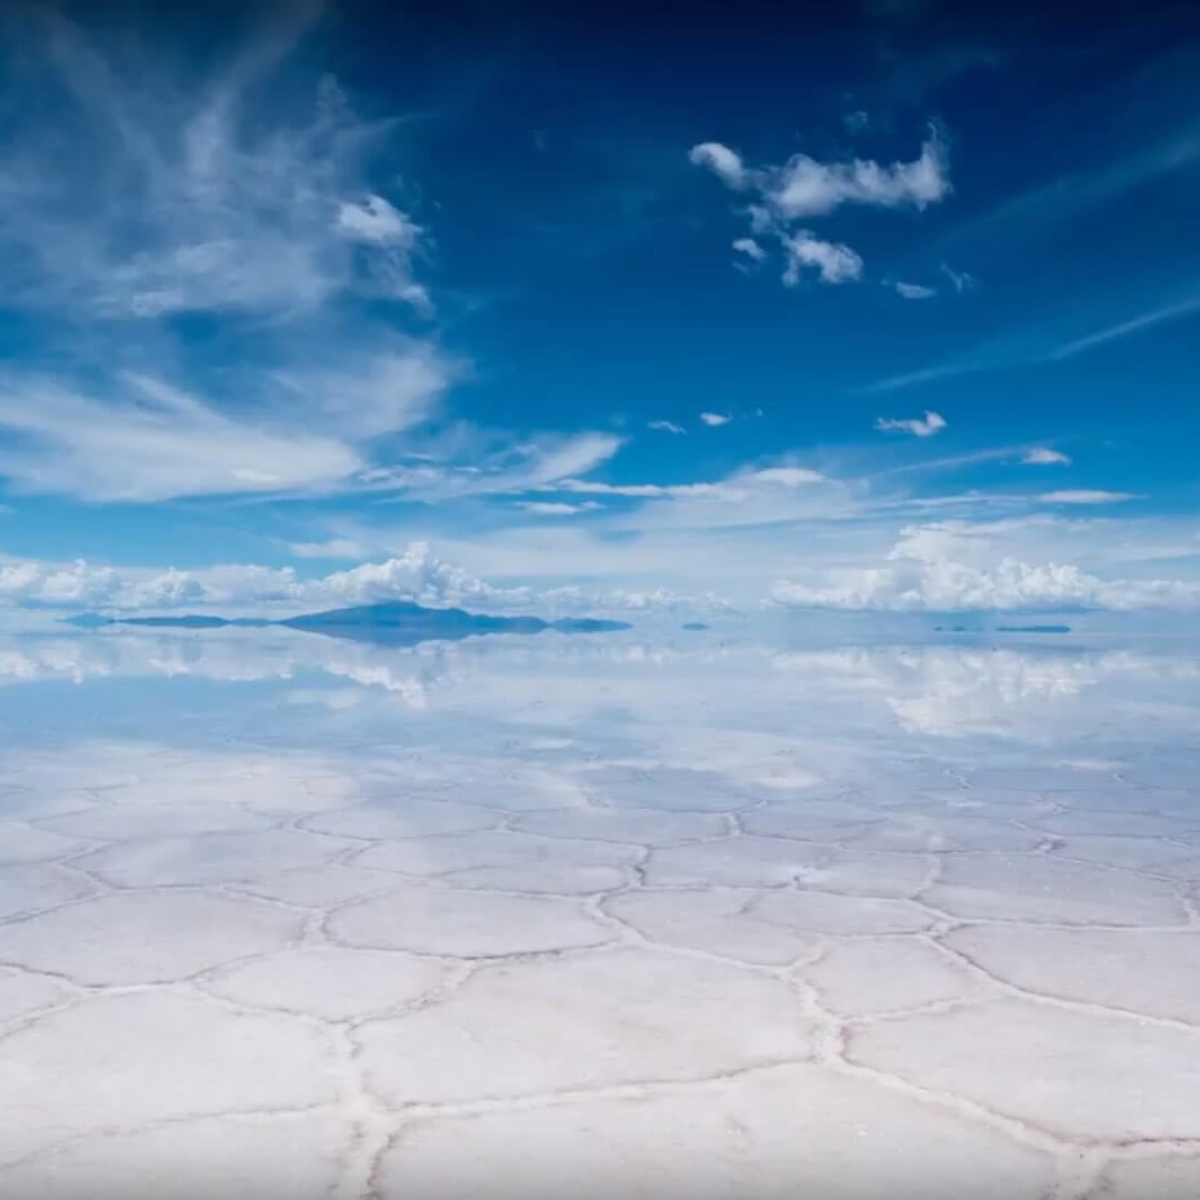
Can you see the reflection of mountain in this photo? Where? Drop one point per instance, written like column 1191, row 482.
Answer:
column 397, row 623
column 715, row 696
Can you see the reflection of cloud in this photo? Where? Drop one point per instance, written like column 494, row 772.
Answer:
column 959, row 690
column 226, row 656
column 704, row 702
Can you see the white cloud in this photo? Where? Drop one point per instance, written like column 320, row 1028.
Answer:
column 959, row 280
column 1085, row 496
column 946, row 568
column 319, row 432
column 375, row 220
column 474, row 464
column 915, row 291
column 785, row 476
column 835, row 263
column 333, row 548
column 803, row 188
column 1123, row 329
column 142, row 190
column 726, row 164
column 665, row 426
column 416, row 574
column 749, row 247
column 737, row 487
column 153, row 443
column 925, row 426
column 1041, row 456
column 641, row 491
column 715, row 419
column 556, row 508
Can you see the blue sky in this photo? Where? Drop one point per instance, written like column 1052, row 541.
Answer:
column 894, row 308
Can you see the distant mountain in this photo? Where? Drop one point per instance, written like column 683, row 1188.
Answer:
column 397, row 622
column 1033, row 629
column 694, row 626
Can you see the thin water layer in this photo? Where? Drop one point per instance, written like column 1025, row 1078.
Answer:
column 701, row 915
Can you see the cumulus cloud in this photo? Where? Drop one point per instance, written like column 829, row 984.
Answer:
column 714, row 419
column 1085, row 496
column 723, row 162
column 749, row 247
column 833, row 262
column 417, row 574
column 940, row 569
column 915, row 291
column 925, row 426
column 1041, row 456
column 803, row 188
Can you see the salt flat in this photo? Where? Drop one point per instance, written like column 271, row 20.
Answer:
column 597, row 919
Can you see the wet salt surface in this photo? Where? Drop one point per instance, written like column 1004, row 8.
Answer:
column 281, row 917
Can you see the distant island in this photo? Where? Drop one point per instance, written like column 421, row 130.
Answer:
column 396, row 622
column 1033, row 629
column 694, row 626
column 1004, row 629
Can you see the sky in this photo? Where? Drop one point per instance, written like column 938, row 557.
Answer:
column 888, row 306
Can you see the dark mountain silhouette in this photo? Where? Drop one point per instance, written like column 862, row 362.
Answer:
column 395, row 623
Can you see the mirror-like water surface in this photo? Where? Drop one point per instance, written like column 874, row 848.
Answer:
column 283, row 915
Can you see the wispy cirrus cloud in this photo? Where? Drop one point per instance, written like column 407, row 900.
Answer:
column 922, row 427
column 1123, row 329
column 665, row 426
column 556, row 508
column 734, row 487
column 158, row 191
column 253, row 196
column 1036, row 344
column 1085, row 496
column 152, row 441
column 333, row 548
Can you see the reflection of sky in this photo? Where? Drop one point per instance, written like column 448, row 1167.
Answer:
column 238, row 864
column 688, row 695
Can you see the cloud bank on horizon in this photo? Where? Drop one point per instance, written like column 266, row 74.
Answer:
column 271, row 341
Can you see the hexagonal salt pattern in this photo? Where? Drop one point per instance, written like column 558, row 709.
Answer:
column 145, row 936
column 747, row 948
column 276, row 1156
column 128, row 1061
column 584, row 1020
column 1071, row 1072
column 778, row 1133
